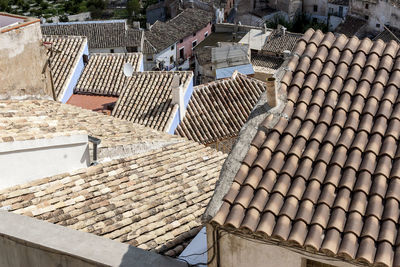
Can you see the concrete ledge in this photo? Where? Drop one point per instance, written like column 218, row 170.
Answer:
column 25, row 241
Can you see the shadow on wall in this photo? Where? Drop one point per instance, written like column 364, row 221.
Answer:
column 138, row 257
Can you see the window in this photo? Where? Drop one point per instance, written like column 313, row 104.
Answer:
column 194, row 34
column 171, row 60
column 182, row 52
column 315, row 8
column 181, row 40
column 366, row 17
column 378, row 25
column 194, row 43
column 205, row 35
column 149, row 57
column 366, row 6
column 111, row 50
column 172, row 47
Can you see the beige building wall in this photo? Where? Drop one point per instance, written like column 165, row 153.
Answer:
column 241, row 252
column 291, row 7
column 23, row 58
column 377, row 13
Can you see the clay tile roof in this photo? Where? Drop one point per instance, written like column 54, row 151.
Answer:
column 269, row 62
column 324, row 174
column 277, row 41
column 389, row 35
column 163, row 34
column 147, row 98
column 218, row 110
column 144, row 98
column 67, row 51
column 100, row 34
column 351, row 26
column 152, row 200
column 103, row 75
column 37, row 119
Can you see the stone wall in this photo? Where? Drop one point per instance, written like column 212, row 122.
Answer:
column 23, row 71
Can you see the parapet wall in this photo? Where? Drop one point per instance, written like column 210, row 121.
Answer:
column 26, row 241
column 23, row 71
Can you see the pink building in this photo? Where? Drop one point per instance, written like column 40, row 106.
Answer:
column 184, row 47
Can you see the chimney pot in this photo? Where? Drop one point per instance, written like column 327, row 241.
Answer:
column 177, row 95
column 271, row 92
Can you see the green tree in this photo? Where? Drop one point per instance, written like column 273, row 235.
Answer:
column 3, row 5
column 133, row 7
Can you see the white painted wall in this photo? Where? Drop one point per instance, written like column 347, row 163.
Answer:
column 382, row 13
column 23, row 161
column 150, row 63
column 240, row 252
column 166, row 54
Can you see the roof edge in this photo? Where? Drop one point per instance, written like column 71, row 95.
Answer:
column 233, row 162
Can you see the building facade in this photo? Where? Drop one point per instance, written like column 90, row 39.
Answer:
column 377, row 13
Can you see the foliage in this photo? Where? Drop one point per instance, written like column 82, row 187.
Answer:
column 63, row 18
column 133, row 7
column 300, row 24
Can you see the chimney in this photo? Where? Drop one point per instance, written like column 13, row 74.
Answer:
column 136, row 24
column 148, row 26
column 286, row 54
column 271, row 92
column 265, row 28
column 177, row 95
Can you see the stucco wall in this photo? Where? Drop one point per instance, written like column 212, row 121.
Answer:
column 334, row 10
column 322, row 8
column 240, row 252
column 26, row 241
column 382, row 13
column 166, row 54
column 186, row 98
column 42, row 158
column 188, row 41
column 291, row 7
column 22, row 60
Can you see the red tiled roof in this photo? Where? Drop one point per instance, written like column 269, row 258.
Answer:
column 326, row 176
column 92, row 102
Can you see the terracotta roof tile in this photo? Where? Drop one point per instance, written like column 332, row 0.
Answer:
column 277, row 41
column 219, row 109
column 103, row 74
column 164, row 34
column 100, row 34
column 37, row 119
column 153, row 200
column 329, row 174
column 67, row 51
column 145, row 98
